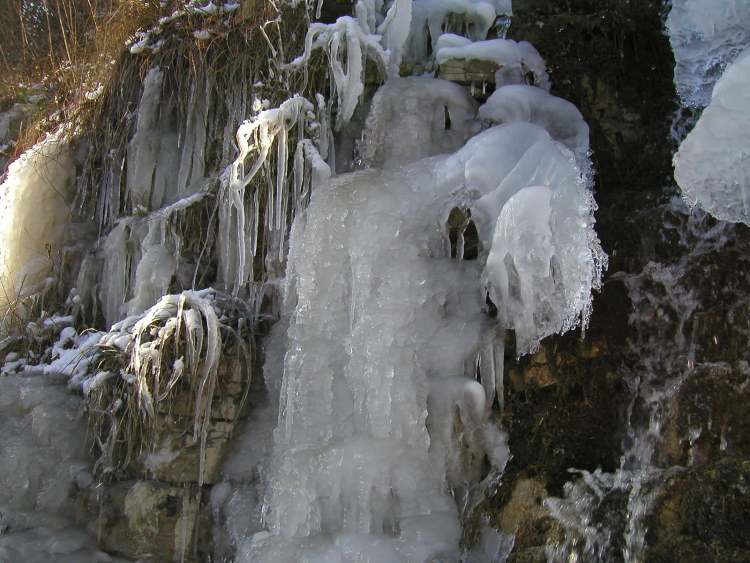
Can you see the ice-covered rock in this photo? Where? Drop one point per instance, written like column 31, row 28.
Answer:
column 516, row 61
column 414, row 117
column 43, row 460
column 706, row 36
column 712, row 165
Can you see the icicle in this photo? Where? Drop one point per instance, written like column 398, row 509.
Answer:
column 259, row 134
column 349, row 80
column 395, row 31
column 299, row 175
column 282, row 155
column 498, row 363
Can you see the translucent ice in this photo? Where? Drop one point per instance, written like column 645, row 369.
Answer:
column 414, row 117
column 561, row 119
column 381, row 327
column 35, row 200
column 153, row 158
column 706, row 36
column 712, row 165
column 544, row 256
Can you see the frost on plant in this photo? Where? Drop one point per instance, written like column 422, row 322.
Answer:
column 255, row 139
column 145, row 361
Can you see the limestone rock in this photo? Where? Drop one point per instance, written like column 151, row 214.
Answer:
column 177, row 457
column 709, row 417
column 149, row 521
column 703, row 515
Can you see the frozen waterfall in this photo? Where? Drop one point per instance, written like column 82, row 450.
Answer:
column 461, row 219
column 401, row 281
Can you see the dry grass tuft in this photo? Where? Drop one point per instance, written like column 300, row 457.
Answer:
column 63, row 48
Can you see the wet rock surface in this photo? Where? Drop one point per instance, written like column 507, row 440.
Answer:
column 565, row 406
column 703, row 514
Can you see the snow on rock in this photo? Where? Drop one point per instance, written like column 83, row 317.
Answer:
column 712, row 165
column 432, row 18
column 35, row 211
column 515, row 59
column 414, row 117
column 706, row 36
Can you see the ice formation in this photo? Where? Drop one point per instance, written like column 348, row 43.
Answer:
column 400, row 280
column 176, row 339
column 712, row 165
column 439, row 127
column 706, row 36
column 255, row 138
column 711, row 42
column 346, row 36
column 432, row 18
column 152, row 152
column 35, row 218
column 534, row 215
column 381, row 413
column 561, row 119
column 380, row 326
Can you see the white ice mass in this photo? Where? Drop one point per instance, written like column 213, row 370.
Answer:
column 383, row 424
column 34, row 215
column 713, row 164
column 711, row 42
column 706, row 36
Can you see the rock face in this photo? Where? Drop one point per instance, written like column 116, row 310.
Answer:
column 156, row 509
column 703, row 515
column 672, row 313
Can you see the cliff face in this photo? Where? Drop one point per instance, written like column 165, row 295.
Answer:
column 655, row 385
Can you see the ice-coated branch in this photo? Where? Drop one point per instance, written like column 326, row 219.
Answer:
column 345, row 38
